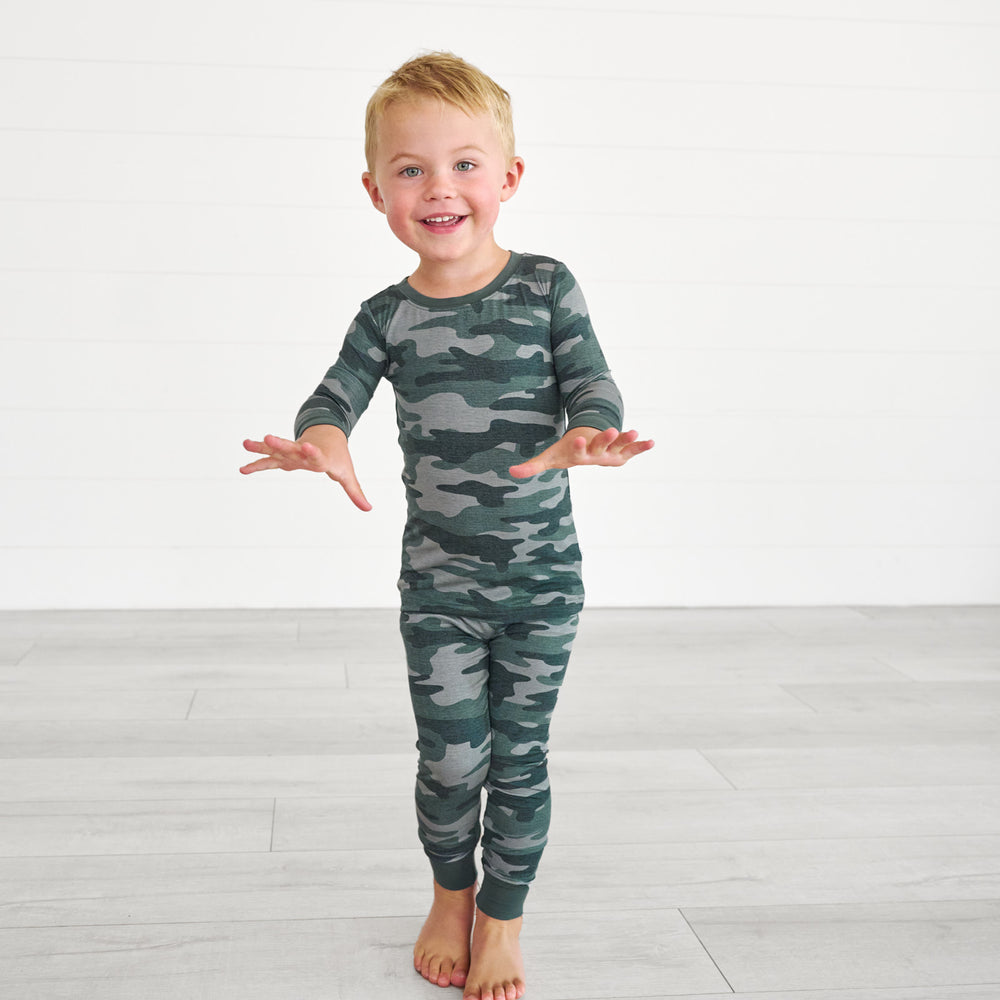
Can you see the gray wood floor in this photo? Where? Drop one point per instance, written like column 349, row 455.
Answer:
column 775, row 803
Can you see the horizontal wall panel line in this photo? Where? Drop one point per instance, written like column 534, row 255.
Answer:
column 589, row 546
column 834, row 482
column 654, row 282
column 677, row 13
column 356, row 141
column 364, row 209
column 871, row 416
column 619, row 349
column 588, row 78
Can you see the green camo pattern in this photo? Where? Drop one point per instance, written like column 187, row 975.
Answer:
column 482, row 382
column 483, row 696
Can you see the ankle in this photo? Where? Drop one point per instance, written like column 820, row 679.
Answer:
column 455, row 899
column 497, row 925
column 501, row 900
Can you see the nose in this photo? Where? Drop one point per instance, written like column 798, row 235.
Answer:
column 439, row 185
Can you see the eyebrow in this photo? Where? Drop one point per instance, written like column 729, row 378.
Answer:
column 456, row 152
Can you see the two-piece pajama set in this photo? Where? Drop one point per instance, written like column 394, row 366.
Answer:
column 490, row 582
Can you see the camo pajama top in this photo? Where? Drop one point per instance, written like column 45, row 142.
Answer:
column 482, row 382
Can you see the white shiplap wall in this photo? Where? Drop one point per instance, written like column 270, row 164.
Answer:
column 784, row 214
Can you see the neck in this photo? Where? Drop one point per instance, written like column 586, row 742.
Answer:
column 450, row 279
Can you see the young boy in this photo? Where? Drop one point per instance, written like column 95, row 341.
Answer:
column 486, row 350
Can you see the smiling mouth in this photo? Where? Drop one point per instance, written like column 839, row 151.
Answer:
column 442, row 221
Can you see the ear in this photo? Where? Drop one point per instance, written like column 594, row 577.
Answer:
column 515, row 171
column 368, row 179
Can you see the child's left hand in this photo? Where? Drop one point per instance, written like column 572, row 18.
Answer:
column 585, row 446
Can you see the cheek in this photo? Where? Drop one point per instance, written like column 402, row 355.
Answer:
column 399, row 215
column 487, row 203
column 398, row 211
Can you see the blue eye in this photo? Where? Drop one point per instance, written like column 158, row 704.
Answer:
column 464, row 166
column 411, row 171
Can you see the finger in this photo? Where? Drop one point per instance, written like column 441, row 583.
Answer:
column 528, row 469
column 310, row 456
column 260, row 465
column 257, row 447
column 281, row 445
column 623, row 440
column 600, row 443
column 636, row 448
column 618, row 449
column 353, row 489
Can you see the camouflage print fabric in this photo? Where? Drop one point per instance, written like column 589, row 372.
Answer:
column 490, row 581
column 482, row 382
column 483, row 696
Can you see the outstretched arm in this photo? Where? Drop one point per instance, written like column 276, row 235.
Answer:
column 584, row 446
column 321, row 448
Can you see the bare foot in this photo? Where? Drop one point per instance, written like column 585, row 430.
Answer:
column 497, row 970
column 441, row 954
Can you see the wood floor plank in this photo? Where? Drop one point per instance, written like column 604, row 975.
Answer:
column 341, row 705
column 656, row 726
column 348, row 959
column 228, row 886
column 970, row 698
column 29, row 829
column 987, row 991
column 151, row 778
column 856, row 946
column 289, row 736
column 147, row 778
column 203, row 664
column 945, row 667
column 683, row 699
column 769, row 873
column 827, row 767
column 386, row 822
column 89, row 705
column 686, row 815
column 216, row 887
column 664, row 817
column 219, row 804
column 651, row 728
column 655, row 667
column 13, row 650
column 96, row 626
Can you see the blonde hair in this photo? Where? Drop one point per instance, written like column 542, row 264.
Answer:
column 447, row 78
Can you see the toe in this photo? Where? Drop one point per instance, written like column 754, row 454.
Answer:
column 444, row 975
column 458, row 976
column 433, row 972
column 421, row 962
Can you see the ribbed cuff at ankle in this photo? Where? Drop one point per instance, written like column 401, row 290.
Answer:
column 455, row 875
column 501, row 900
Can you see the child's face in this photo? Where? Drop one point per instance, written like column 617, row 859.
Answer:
column 440, row 176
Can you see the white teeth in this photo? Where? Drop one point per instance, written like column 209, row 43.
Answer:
column 444, row 218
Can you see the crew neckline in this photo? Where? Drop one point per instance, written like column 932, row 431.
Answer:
column 461, row 300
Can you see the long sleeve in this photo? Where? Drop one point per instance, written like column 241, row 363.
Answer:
column 588, row 391
column 347, row 389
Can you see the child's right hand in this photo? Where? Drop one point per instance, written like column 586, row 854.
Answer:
column 320, row 449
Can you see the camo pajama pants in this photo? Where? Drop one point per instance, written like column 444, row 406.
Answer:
column 483, row 696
